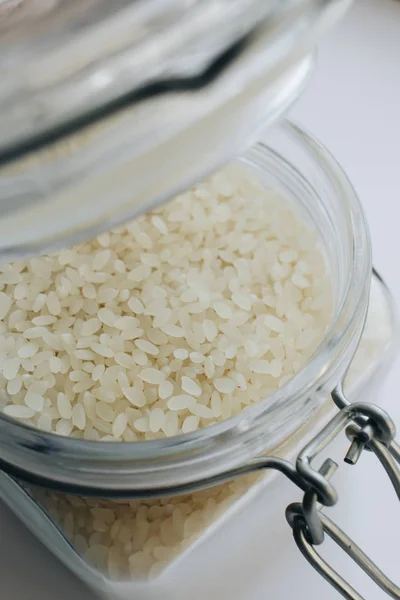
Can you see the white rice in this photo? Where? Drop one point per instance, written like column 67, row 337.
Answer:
column 223, row 289
column 138, row 538
column 179, row 320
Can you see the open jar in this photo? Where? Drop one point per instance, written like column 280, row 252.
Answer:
column 119, row 513
column 92, row 514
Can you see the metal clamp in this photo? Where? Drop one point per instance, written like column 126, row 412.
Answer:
column 369, row 428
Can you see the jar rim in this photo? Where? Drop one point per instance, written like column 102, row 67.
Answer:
column 344, row 331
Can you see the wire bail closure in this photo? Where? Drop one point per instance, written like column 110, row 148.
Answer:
column 369, row 428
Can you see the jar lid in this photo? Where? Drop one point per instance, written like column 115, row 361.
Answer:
column 108, row 108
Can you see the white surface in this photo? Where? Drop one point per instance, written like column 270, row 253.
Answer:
column 353, row 106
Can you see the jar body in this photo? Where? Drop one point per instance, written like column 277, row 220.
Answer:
column 298, row 166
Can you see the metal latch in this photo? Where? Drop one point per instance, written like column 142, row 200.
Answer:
column 369, row 428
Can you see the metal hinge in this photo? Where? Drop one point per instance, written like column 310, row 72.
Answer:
column 369, row 428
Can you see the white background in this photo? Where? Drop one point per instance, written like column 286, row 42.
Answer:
column 353, row 106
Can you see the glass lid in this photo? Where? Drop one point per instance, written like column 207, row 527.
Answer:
column 151, row 95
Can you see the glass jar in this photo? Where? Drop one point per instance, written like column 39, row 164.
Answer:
column 106, row 110
column 131, row 475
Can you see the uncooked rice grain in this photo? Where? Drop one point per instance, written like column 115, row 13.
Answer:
column 190, row 386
